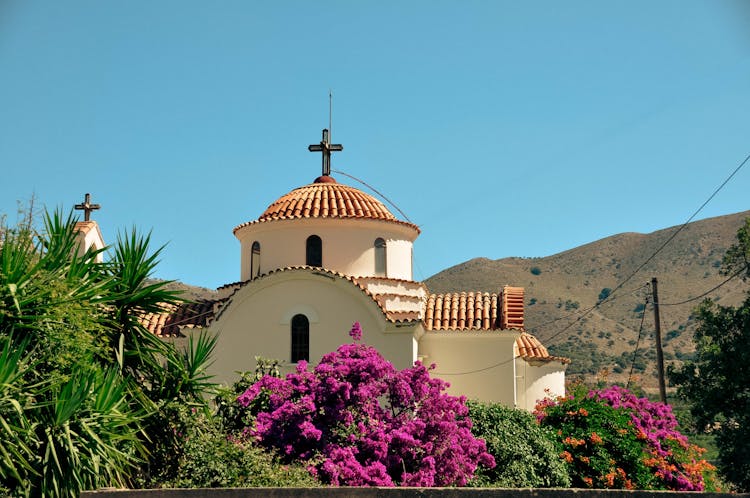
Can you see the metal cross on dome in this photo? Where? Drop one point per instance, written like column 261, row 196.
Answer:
column 325, row 147
column 87, row 207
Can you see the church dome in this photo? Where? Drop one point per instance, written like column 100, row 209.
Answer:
column 326, row 198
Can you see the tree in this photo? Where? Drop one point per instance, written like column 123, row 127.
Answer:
column 716, row 381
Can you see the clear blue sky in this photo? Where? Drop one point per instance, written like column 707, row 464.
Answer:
column 501, row 128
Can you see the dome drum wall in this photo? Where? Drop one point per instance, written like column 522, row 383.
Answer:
column 348, row 245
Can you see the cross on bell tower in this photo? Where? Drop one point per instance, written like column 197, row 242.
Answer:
column 325, row 147
column 87, row 207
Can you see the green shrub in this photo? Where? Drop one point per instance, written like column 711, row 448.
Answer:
column 598, row 442
column 604, row 294
column 535, row 270
column 212, row 459
column 613, row 439
column 524, row 452
column 231, row 415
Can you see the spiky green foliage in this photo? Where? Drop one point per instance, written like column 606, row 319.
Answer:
column 87, row 433
column 72, row 416
column 16, row 454
column 183, row 386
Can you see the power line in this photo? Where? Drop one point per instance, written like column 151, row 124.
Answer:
column 709, row 291
column 637, row 343
column 606, row 300
column 377, row 192
column 602, row 301
column 655, row 253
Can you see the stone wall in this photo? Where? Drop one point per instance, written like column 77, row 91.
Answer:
column 391, row 493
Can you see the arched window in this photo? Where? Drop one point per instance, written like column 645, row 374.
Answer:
column 255, row 260
column 300, row 338
column 380, row 260
column 314, row 251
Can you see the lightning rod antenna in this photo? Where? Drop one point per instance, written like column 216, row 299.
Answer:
column 330, row 113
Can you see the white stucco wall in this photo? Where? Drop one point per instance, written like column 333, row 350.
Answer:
column 90, row 237
column 257, row 322
column 539, row 380
column 482, row 365
column 348, row 245
column 478, row 365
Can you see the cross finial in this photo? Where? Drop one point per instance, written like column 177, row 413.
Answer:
column 87, row 207
column 325, row 147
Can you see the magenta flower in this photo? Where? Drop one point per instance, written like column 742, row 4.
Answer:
column 357, row 421
column 356, row 332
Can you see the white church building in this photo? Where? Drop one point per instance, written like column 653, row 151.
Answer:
column 326, row 255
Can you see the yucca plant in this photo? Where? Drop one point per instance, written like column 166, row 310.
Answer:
column 89, row 434
column 132, row 296
column 181, row 394
column 184, row 375
column 78, row 420
column 16, row 431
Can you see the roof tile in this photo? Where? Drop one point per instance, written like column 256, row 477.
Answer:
column 326, row 200
column 169, row 322
column 457, row 312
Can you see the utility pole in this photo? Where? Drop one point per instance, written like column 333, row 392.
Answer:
column 659, row 351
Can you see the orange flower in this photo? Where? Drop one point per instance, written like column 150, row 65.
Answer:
column 585, row 459
column 565, row 455
column 583, row 412
column 610, row 479
column 595, row 438
column 589, row 482
column 575, row 443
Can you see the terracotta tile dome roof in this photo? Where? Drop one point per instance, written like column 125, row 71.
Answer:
column 325, row 198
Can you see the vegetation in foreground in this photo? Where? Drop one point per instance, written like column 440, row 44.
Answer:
column 715, row 383
column 89, row 399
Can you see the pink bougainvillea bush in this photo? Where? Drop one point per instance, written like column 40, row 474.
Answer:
column 611, row 438
column 357, row 421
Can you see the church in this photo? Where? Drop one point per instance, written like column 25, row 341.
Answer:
column 326, row 255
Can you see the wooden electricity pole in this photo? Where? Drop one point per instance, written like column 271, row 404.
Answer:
column 659, row 351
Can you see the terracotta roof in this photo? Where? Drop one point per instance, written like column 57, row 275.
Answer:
column 475, row 310
column 392, row 315
column 85, row 226
column 169, row 322
column 465, row 311
column 231, row 284
column 529, row 348
column 326, row 200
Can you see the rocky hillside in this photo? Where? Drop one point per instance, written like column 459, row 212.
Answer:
column 562, row 289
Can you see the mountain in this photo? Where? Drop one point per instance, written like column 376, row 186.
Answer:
column 563, row 289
